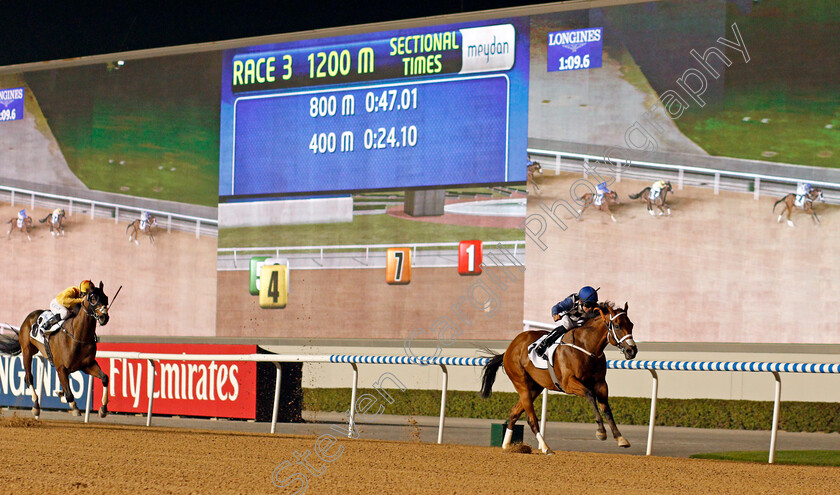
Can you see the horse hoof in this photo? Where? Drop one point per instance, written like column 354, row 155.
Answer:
column 75, row 412
column 623, row 443
column 601, row 435
column 548, row 452
column 651, row 213
column 790, row 224
column 36, row 412
column 103, row 411
column 137, row 242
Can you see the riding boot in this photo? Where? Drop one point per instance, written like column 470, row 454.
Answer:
column 550, row 340
column 52, row 321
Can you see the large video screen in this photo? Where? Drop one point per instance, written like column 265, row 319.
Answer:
column 435, row 106
column 388, row 184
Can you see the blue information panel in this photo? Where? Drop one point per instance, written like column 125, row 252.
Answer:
column 13, row 391
column 576, row 49
column 430, row 107
column 11, row 104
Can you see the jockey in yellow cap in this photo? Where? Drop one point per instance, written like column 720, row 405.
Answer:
column 65, row 300
column 656, row 188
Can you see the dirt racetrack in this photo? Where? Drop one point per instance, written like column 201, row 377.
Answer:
column 168, row 289
column 357, row 303
column 59, row 457
column 719, row 269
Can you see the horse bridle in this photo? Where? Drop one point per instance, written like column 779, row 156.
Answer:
column 97, row 312
column 611, row 328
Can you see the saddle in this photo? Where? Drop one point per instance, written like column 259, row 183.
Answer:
column 543, row 363
column 41, row 334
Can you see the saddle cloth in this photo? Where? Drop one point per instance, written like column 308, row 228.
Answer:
column 19, row 222
column 38, row 332
column 142, row 225
column 537, row 361
column 654, row 194
column 599, row 198
column 800, row 201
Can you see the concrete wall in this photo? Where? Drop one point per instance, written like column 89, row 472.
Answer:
column 286, row 212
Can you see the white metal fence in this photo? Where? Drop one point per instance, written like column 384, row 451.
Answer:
column 363, row 255
column 443, row 362
column 758, row 184
column 102, row 209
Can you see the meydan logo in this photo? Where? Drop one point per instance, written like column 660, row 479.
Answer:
column 574, row 40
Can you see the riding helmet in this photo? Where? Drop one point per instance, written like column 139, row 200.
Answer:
column 588, row 296
column 86, row 286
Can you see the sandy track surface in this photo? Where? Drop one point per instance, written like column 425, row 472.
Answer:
column 359, row 304
column 168, row 289
column 78, row 458
column 719, row 269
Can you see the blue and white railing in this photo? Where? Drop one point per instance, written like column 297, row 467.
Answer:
column 443, row 362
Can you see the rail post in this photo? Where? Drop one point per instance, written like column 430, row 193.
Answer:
column 277, row 379
column 151, row 391
column 680, row 179
column 168, row 224
column 654, row 392
column 116, row 215
column 756, row 185
column 198, row 229
column 557, row 163
column 776, row 405
column 544, row 413
column 70, row 209
column 89, row 401
column 352, row 425
column 443, row 388
column 717, row 183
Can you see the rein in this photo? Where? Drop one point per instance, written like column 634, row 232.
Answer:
column 95, row 337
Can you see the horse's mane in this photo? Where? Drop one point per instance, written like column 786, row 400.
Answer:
column 606, row 304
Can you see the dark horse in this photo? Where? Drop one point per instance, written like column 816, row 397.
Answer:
column 579, row 364
column 807, row 205
column 56, row 219
column 659, row 201
column 73, row 348
column 533, row 169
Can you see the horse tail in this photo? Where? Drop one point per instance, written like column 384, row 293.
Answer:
column 10, row 345
column 45, row 218
column 776, row 203
column 488, row 376
column 129, row 226
column 639, row 195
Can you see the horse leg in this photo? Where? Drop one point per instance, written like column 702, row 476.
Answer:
column 528, row 399
column 606, row 209
column 515, row 413
column 789, row 211
column 601, row 393
column 95, row 370
column 64, row 378
column 27, row 354
column 650, row 208
column 574, row 386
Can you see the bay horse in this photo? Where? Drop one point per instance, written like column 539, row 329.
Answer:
column 589, row 200
column 147, row 229
column 23, row 225
column 659, row 202
column 579, row 364
column 808, row 205
column 73, row 348
column 534, row 168
column 56, row 219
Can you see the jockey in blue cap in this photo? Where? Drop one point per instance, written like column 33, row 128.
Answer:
column 571, row 312
column 600, row 192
